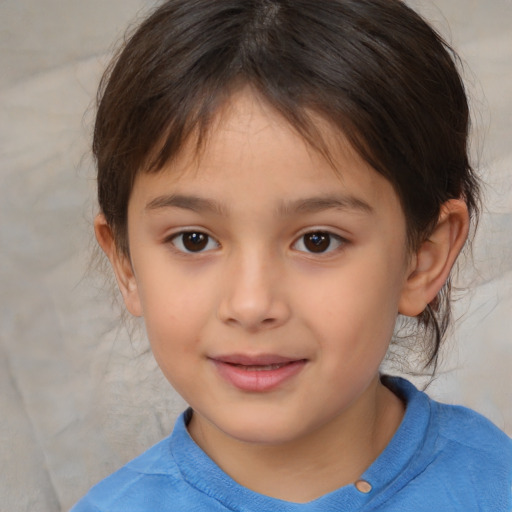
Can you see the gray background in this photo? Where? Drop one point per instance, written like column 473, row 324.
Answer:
column 79, row 396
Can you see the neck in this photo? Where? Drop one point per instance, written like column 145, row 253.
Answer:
column 304, row 469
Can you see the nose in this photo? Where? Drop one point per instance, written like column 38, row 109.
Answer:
column 254, row 293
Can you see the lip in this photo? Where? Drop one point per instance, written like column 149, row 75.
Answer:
column 257, row 373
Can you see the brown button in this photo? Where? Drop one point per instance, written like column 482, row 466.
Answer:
column 363, row 486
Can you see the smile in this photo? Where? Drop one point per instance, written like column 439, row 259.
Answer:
column 257, row 374
column 260, row 368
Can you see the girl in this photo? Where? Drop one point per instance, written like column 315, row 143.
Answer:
column 279, row 181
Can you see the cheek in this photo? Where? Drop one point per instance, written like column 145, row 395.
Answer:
column 178, row 310
column 173, row 330
column 363, row 294
column 356, row 309
column 170, row 294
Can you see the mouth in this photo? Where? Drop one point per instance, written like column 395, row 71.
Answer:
column 260, row 367
column 258, row 373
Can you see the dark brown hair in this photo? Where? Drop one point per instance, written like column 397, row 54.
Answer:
column 374, row 69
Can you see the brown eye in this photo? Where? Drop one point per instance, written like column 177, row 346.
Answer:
column 193, row 241
column 318, row 242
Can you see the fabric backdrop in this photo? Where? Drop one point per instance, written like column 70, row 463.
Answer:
column 78, row 394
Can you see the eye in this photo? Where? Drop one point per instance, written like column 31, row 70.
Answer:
column 318, row 242
column 193, row 241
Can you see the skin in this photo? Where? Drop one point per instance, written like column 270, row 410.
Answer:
column 256, row 289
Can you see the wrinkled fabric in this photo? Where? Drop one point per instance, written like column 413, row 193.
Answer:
column 442, row 458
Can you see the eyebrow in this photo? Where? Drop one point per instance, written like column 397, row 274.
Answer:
column 318, row 204
column 306, row 205
column 194, row 203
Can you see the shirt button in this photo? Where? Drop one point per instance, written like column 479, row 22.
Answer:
column 363, row 486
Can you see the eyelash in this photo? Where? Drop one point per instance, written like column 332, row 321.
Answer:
column 319, row 238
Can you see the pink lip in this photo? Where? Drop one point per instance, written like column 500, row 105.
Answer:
column 257, row 373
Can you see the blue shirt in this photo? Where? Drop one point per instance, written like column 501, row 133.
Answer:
column 442, row 458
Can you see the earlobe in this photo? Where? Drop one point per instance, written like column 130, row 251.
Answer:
column 432, row 263
column 121, row 265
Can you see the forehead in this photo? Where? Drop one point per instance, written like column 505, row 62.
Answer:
column 252, row 151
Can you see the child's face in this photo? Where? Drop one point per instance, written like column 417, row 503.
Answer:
column 272, row 313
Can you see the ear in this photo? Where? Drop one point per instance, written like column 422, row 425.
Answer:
column 432, row 263
column 120, row 263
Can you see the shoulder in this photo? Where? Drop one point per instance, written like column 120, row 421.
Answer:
column 472, row 450
column 155, row 481
column 461, row 458
column 471, row 431
column 129, row 485
column 462, row 428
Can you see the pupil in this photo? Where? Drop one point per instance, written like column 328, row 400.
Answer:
column 317, row 242
column 195, row 241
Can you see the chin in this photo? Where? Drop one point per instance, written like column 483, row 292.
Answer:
column 267, row 431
